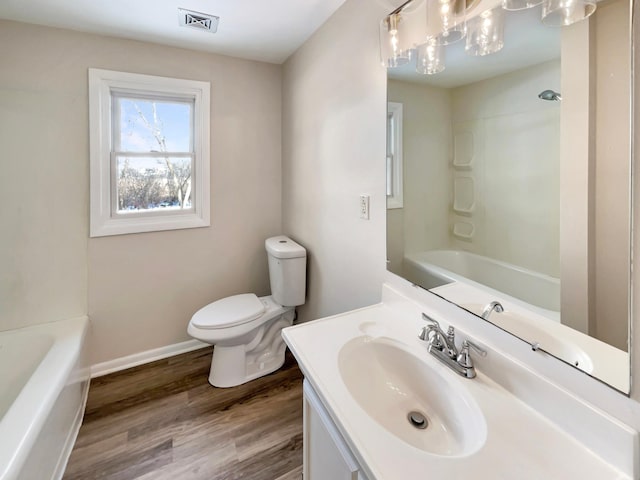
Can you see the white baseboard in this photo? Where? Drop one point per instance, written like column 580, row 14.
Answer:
column 122, row 363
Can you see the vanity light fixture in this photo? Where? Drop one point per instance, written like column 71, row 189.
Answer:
column 448, row 18
column 420, row 28
column 513, row 5
column 430, row 57
column 391, row 51
column 485, row 33
column 560, row 13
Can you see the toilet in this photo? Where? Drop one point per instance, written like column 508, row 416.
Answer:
column 245, row 330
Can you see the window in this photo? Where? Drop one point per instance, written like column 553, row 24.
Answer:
column 394, row 155
column 149, row 153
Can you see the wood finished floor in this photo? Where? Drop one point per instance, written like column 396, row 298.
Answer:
column 164, row 421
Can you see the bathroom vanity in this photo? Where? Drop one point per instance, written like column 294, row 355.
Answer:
column 492, row 200
column 378, row 405
column 326, row 454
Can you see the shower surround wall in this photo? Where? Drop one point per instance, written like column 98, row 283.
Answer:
column 44, row 180
column 484, row 155
column 506, row 167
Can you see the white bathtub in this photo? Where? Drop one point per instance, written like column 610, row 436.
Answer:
column 503, row 280
column 44, row 382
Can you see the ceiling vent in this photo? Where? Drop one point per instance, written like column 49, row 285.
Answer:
column 200, row 21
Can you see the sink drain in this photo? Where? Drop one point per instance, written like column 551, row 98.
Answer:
column 417, row 420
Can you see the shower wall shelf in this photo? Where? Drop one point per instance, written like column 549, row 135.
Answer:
column 466, row 169
column 463, row 230
column 464, row 195
column 463, row 147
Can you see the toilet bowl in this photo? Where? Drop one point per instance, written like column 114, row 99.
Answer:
column 245, row 329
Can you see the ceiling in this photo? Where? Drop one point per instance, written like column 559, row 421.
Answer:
column 262, row 30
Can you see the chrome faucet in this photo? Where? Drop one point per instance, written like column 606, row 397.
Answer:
column 497, row 306
column 442, row 346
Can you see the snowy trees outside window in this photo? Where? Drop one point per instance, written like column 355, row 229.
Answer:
column 149, row 153
column 154, row 153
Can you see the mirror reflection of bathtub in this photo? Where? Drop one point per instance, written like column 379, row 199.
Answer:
column 532, row 290
column 531, row 304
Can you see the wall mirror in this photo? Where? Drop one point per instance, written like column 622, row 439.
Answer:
column 509, row 170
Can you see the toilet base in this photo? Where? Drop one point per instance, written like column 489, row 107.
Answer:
column 264, row 354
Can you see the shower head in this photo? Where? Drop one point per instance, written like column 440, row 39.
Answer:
column 550, row 95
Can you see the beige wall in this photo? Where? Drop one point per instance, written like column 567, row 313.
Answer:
column 576, row 178
column 395, row 240
column 611, row 202
column 334, row 105
column 143, row 288
column 634, row 341
column 595, row 174
column 426, row 159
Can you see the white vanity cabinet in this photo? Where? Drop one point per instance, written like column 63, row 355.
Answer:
column 326, row 455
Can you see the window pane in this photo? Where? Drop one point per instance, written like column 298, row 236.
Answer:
column 153, row 183
column 153, row 125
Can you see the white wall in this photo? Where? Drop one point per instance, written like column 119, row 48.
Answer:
column 143, row 288
column 426, row 158
column 334, row 103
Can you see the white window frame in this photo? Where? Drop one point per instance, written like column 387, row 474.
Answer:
column 104, row 219
column 394, row 156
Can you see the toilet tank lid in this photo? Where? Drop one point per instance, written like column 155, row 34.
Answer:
column 283, row 247
column 229, row 311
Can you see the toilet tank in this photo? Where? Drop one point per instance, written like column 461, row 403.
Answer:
column 287, row 270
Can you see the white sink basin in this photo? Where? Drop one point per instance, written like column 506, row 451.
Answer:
column 388, row 382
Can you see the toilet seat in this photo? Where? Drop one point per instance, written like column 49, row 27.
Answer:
column 229, row 312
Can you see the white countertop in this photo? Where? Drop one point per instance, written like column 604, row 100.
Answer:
column 520, row 444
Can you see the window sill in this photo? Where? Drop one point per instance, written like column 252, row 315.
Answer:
column 123, row 226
